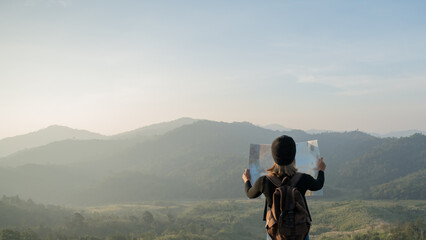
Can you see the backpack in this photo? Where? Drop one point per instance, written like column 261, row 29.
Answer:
column 289, row 218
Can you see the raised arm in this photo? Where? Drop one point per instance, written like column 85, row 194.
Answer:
column 317, row 184
column 252, row 191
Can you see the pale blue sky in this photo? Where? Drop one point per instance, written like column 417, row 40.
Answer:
column 113, row 66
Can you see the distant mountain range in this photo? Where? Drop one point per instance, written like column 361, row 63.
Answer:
column 43, row 137
column 155, row 129
column 276, row 127
column 199, row 160
column 59, row 133
column 56, row 133
column 397, row 134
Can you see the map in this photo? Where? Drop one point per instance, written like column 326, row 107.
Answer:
column 307, row 153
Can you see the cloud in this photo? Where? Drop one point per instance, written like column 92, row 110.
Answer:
column 62, row 2
column 32, row 3
column 352, row 82
column 359, row 92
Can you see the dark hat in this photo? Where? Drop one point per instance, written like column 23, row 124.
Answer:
column 283, row 150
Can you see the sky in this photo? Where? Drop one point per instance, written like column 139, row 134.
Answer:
column 113, row 66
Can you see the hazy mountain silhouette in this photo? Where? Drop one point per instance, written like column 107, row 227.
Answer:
column 44, row 136
column 276, row 127
column 58, row 133
column 155, row 129
column 65, row 152
column 398, row 134
column 202, row 160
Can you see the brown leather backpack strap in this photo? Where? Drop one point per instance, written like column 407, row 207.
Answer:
column 295, row 179
column 282, row 198
column 275, row 180
column 293, row 197
column 289, row 199
column 264, row 211
column 285, row 181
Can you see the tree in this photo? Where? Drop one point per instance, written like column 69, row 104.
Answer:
column 10, row 234
column 29, row 234
column 147, row 218
column 77, row 220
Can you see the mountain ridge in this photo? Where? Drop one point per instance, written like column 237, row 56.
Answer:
column 205, row 156
column 44, row 136
column 155, row 129
column 54, row 133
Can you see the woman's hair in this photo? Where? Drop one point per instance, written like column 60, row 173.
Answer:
column 283, row 170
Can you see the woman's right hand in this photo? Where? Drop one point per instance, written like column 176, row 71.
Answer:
column 246, row 175
column 321, row 165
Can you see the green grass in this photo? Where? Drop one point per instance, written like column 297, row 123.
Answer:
column 239, row 219
column 350, row 217
column 331, row 219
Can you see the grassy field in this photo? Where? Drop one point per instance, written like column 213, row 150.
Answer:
column 208, row 220
column 331, row 219
column 350, row 217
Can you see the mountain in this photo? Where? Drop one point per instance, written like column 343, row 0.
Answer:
column 42, row 137
column 276, row 127
column 66, row 152
column 49, row 183
column 58, row 133
column 155, row 129
column 202, row 160
column 398, row 134
column 317, row 131
column 393, row 134
column 210, row 153
column 407, row 187
column 391, row 159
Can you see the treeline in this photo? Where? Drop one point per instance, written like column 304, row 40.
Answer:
column 200, row 220
column 408, row 231
column 17, row 212
column 205, row 221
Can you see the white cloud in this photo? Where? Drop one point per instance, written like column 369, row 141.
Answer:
column 358, row 92
column 356, row 84
column 31, row 3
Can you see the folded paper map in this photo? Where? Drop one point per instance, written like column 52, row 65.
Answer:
column 307, row 154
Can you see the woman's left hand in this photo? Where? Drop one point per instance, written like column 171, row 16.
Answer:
column 246, row 175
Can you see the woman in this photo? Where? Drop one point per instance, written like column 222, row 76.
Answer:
column 283, row 152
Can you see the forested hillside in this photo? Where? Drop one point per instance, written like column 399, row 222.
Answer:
column 67, row 152
column 202, row 160
column 208, row 220
column 390, row 160
column 16, row 212
column 411, row 186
